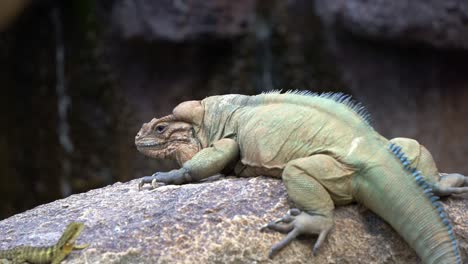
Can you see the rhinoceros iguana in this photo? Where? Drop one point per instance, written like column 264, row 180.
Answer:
column 327, row 154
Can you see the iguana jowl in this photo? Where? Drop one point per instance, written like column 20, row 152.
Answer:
column 327, row 154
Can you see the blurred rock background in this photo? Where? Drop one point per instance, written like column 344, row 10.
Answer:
column 80, row 77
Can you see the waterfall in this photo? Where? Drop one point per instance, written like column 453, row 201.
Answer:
column 63, row 104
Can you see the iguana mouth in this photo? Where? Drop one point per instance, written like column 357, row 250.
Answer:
column 150, row 144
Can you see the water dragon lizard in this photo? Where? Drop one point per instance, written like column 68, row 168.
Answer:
column 52, row 254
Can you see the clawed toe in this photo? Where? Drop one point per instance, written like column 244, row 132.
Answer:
column 284, row 242
column 320, row 240
column 286, row 219
column 145, row 180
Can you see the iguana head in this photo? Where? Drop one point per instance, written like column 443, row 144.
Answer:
column 167, row 138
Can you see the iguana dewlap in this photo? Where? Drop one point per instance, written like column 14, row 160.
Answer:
column 327, row 154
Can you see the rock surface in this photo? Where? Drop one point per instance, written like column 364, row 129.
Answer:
column 442, row 24
column 181, row 20
column 210, row 222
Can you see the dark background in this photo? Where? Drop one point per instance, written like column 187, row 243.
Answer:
column 78, row 78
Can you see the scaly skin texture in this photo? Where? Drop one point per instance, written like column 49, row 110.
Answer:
column 327, row 154
column 52, row 254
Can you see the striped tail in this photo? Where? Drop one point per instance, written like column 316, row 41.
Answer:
column 433, row 199
column 400, row 195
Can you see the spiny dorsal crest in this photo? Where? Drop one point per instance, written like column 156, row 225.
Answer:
column 341, row 98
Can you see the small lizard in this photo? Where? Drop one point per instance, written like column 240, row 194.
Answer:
column 52, row 254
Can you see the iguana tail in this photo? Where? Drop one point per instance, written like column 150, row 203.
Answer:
column 399, row 194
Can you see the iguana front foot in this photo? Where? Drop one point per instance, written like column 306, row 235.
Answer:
column 148, row 179
column 179, row 176
column 300, row 223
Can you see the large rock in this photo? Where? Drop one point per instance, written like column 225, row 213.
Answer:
column 181, row 20
column 438, row 23
column 211, row 222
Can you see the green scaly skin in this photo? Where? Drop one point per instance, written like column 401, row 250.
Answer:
column 51, row 254
column 327, row 154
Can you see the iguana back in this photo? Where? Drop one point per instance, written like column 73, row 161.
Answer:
column 273, row 129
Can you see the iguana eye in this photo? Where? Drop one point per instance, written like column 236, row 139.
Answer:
column 160, row 128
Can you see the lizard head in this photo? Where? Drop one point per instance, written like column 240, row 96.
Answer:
column 167, row 138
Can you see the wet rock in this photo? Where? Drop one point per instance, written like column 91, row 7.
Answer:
column 212, row 222
column 442, row 24
column 181, row 20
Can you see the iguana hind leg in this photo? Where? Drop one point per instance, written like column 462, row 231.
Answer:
column 300, row 178
column 443, row 184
